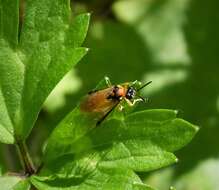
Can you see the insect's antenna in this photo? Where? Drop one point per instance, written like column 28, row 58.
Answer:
column 144, row 85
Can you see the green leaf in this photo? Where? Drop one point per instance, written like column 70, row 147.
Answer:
column 11, row 77
column 49, row 46
column 138, row 142
column 7, row 182
column 10, row 68
column 22, row 185
column 99, row 179
column 160, row 130
column 9, row 13
column 14, row 183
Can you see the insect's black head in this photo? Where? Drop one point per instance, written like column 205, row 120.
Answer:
column 130, row 94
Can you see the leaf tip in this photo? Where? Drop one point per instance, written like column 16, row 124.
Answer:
column 88, row 14
column 196, row 128
column 176, row 112
column 176, row 160
column 188, row 125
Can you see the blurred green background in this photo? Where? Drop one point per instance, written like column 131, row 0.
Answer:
column 174, row 43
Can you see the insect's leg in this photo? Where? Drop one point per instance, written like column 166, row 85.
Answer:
column 121, row 107
column 104, row 117
column 134, row 101
column 143, row 98
column 107, row 81
column 137, row 100
column 133, row 83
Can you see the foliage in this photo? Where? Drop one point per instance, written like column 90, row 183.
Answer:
column 141, row 141
column 182, row 61
column 36, row 53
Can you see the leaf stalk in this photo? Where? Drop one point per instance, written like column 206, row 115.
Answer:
column 25, row 158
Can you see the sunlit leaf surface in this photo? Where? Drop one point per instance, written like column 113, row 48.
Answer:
column 31, row 66
column 79, row 151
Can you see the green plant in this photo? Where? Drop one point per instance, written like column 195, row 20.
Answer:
column 77, row 155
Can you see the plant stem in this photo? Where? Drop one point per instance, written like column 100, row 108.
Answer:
column 25, row 158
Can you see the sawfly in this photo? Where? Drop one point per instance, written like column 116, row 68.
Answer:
column 104, row 101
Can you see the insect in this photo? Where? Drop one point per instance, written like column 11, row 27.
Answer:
column 106, row 100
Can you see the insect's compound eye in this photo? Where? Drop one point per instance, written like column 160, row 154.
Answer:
column 130, row 93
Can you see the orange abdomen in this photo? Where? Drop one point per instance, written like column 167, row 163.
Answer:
column 98, row 101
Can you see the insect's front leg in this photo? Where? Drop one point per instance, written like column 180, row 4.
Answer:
column 121, row 108
column 135, row 82
column 134, row 101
